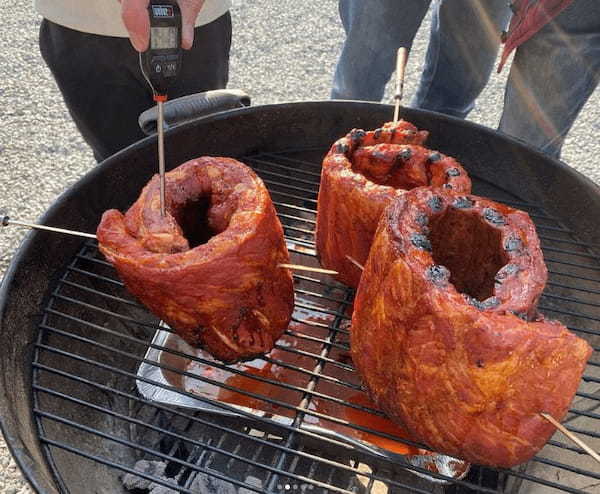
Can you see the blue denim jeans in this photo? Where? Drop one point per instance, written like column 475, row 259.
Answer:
column 375, row 29
column 552, row 75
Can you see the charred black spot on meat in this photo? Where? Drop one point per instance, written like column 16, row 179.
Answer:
column 342, row 148
column 440, row 275
column 435, row 203
column 473, row 301
column 490, row 303
column 506, row 272
column 453, row 172
column 357, row 135
column 520, row 315
column 480, row 364
column 463, row 202
column 378, row 155
column 513, row 244
column 422, row 219
column 405, row 154
column 377, row 133
column 420, row 241
column 447, row 186
column 433, row 157
column 494, row 217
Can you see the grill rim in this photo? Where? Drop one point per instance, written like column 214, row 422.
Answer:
column 27, row 451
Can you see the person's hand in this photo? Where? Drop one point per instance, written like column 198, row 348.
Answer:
column 135, row 16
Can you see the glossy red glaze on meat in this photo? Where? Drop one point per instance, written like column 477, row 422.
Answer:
column 362, row 173
column 226, row 293
column 445, row 332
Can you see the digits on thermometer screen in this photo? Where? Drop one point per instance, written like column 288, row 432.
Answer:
column 163, row 38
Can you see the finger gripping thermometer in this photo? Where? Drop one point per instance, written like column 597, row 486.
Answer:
column 161, row 64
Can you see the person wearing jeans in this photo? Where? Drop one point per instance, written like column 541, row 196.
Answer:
column 553, row 73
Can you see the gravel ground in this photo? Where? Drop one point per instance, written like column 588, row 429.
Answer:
column 282, row 51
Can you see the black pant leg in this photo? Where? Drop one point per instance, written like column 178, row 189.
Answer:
column 94, row 74
column 206, row 66
column 102, row 85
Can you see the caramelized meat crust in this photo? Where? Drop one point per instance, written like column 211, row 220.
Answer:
column 208, row 268
column 445, row 332
column 362, row 173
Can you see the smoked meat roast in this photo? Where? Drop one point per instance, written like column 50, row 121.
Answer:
column 208, row 268
column 445, row 331
column 362, row 173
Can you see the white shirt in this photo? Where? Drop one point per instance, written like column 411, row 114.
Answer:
column 104, row 16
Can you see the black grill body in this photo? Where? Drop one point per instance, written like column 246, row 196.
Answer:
column 72, row 338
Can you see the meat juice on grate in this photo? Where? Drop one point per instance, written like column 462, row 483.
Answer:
column 364, row 414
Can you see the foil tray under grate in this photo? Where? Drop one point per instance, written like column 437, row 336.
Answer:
column 261, row 397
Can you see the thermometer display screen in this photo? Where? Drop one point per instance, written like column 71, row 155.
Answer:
column 163, row 38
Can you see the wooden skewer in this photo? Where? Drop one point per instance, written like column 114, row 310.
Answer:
column 299, row 267
column 6, row 221
column 356, row 263
column 571, row 436
column 400, row 68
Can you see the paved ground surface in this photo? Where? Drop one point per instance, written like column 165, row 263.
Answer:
column 283, row 51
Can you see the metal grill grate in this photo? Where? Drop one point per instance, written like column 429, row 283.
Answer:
column 94, row 337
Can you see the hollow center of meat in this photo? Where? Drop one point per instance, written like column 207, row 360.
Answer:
column 470, row 248
column 193, row 218
column 397, row 166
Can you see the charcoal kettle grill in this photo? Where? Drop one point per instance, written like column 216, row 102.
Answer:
column 73, row 339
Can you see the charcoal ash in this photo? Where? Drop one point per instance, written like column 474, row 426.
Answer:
column 254, row 482
column 201, row 483
column 133, row 482
column 207, row 484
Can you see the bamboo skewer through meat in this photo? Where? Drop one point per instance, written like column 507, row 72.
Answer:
column 571, row 436
column 6, row 221
column 400, row 68
column 300, row 267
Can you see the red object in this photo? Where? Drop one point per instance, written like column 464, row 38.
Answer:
column 445, row 331
column 208, row 268
column 530, row 16
column 160, row 98
column 362, row 173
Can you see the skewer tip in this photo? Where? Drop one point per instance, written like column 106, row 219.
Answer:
column 571, row 436
column 299, row 267
column 401, row 59
column 355, row 262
